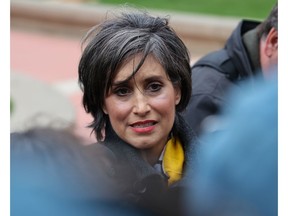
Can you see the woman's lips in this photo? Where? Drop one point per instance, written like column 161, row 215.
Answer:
column 143, row 126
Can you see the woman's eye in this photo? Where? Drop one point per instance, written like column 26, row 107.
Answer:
column 122, row 91
column 154, row 87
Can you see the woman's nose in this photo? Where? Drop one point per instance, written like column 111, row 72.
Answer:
column 141, row 104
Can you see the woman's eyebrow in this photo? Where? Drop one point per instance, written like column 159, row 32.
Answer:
column 120, row 82
column 153, row 78
column 127, row 81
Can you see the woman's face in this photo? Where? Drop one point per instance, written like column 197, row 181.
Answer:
column 142, row 110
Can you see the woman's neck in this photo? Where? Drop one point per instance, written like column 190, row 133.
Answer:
column 152, row 155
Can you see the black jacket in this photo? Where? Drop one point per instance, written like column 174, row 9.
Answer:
column 137, row 181
column 214, row 74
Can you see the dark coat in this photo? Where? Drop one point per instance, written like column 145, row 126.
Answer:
column 137, row 181
column 214, row 74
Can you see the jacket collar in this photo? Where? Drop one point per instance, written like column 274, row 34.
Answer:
column 235, row 48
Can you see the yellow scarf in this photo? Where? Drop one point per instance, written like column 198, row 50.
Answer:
column 173, row 160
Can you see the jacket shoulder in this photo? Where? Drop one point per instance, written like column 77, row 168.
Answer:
column 220, row 62
column 208, row 81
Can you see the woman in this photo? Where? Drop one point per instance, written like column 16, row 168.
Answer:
column 135, row 76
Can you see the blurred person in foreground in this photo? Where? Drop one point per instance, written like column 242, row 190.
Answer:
column 136, row 79
column 236, row 170
column 53, row 174
column 250, row 51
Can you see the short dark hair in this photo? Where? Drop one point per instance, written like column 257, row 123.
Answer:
column 270, row 22
column 116, row 41
column 47, row 155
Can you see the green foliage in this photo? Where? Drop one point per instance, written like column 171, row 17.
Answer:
column 236, row 8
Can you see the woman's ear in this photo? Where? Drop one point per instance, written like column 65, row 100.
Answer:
column 104, row 109
column 177, row 95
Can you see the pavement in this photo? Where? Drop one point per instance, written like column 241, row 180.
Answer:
column 44, row 85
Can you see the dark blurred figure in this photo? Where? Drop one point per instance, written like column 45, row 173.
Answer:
column 52, row 174
column 236, row 170
column 250, row 51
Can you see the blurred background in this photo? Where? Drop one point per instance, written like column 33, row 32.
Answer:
column 45, row 48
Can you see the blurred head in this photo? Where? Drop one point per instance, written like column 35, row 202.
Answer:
column 124, row 49
column 53, row 174
column 268, row 34
column 236, row 169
